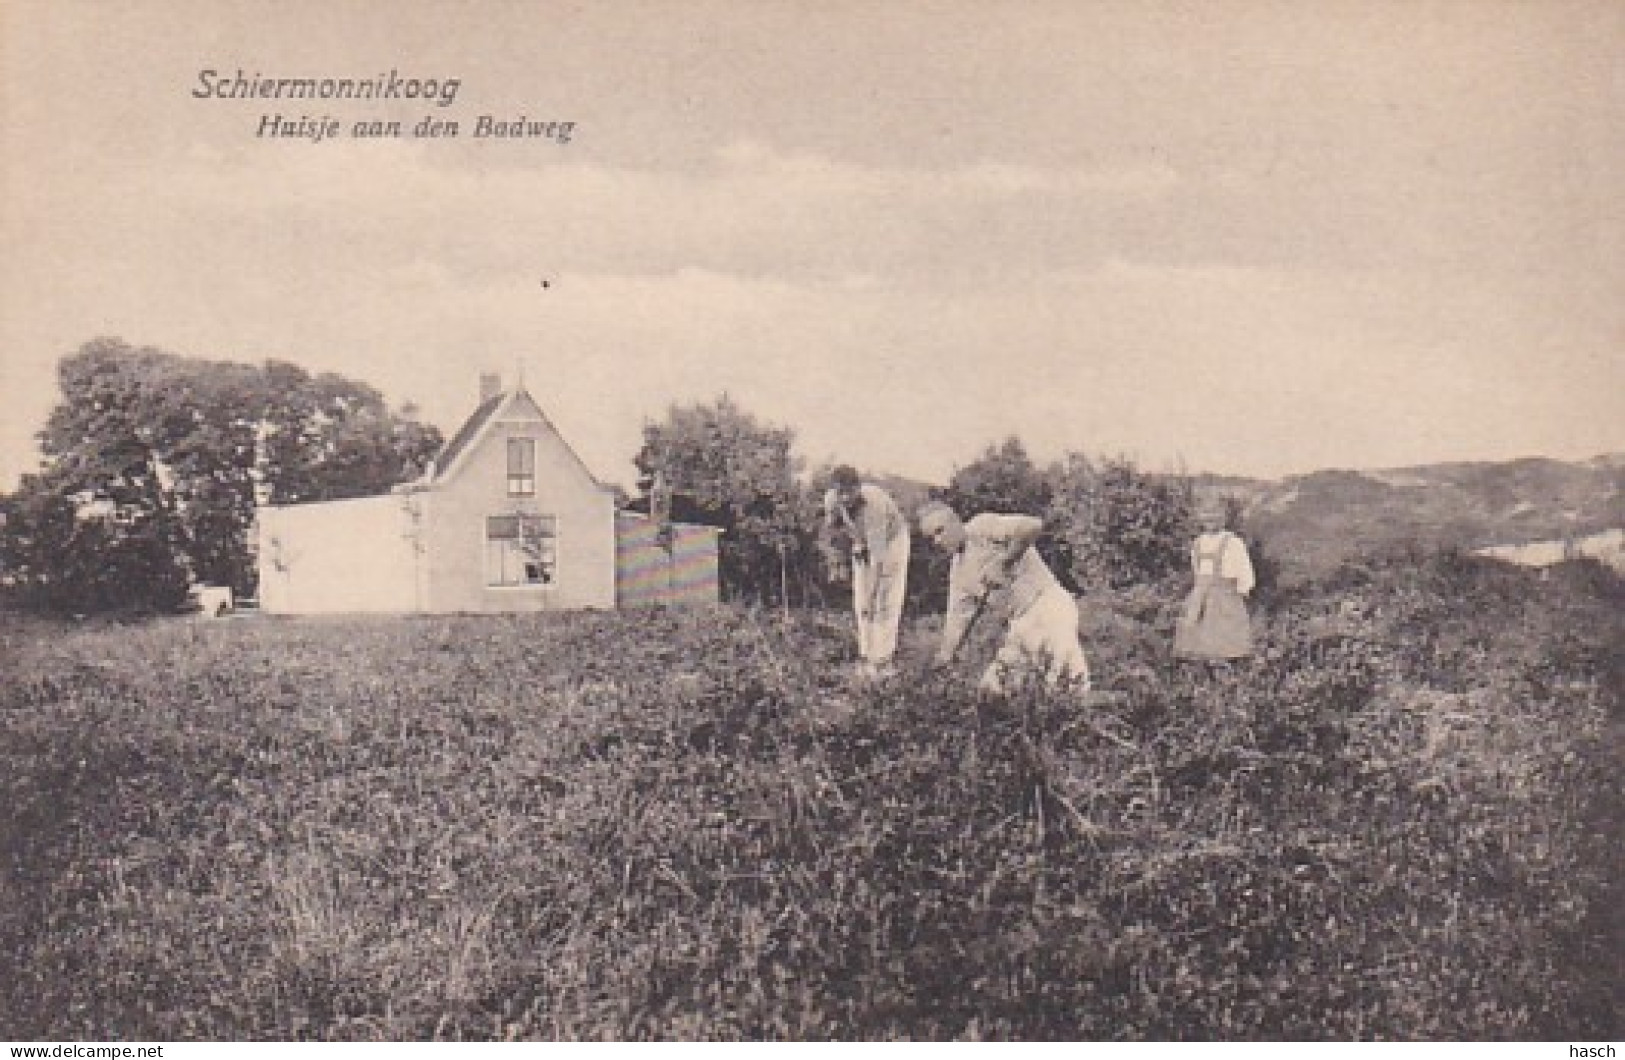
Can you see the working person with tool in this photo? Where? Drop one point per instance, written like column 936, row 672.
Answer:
column 864, row 521
column 997, row 574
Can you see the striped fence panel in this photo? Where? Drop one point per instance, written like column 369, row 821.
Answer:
column 648, row 573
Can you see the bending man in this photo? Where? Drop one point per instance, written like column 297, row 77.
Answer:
column 997, row 573
column 867, row 521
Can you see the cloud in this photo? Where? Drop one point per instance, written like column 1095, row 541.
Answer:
column 758, row 165
column 753, row 211
column 1280, row 248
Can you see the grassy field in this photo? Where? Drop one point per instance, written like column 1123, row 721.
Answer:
column 1400, row 821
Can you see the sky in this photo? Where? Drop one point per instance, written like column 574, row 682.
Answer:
column 1246, row 237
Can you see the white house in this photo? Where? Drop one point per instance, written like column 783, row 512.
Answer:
column 506, row 518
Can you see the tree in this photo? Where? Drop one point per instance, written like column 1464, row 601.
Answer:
column 1119, row 526
column 742, row 475
column 57, row 559
column 1003, row 479
column 162, row 456
column 329, row 438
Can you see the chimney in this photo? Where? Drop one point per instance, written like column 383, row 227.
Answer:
column 490, row 386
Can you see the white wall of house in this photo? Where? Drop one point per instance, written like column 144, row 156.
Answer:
column 338, row 556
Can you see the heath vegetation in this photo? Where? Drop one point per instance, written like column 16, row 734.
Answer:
column 1398, row 821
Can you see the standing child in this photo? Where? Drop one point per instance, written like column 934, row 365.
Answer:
column 1215, row 624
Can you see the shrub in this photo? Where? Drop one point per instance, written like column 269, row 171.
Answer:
column 1119, row 526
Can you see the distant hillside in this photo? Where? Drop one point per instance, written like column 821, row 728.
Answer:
column 1313, row 522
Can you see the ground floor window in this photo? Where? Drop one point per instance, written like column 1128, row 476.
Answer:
column 521, row 549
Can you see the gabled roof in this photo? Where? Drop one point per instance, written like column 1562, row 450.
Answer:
column 480, row 420
column 466, row 433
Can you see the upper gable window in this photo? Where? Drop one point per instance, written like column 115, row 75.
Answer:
column 521, row 467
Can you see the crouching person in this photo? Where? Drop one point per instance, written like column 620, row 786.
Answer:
column 996, row 573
